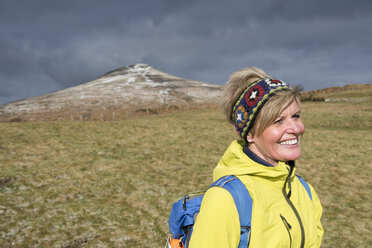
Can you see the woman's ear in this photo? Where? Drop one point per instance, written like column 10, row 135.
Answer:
column 249, row 139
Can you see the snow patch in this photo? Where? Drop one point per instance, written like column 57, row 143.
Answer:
column 105, row 80
column 131, row 80
column 164, row 94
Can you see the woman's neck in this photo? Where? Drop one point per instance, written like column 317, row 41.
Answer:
column 255, row 157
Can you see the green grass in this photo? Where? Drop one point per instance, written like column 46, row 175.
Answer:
column 112, row 184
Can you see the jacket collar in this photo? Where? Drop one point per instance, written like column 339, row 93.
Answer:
column 255, row 158
column 235, row 162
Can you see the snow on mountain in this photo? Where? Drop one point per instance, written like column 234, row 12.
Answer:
column 115, row 94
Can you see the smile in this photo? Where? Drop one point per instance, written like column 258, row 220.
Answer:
column 289, row 142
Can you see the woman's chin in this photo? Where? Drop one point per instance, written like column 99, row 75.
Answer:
column 291, row 155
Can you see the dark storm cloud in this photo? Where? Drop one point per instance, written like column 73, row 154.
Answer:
column 49, row 46
column 15, row 58
column 5, row 93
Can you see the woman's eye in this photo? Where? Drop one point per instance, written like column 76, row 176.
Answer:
column 277, row 121
column 297, row 116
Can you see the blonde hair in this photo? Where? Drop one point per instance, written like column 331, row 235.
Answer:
column 238, row 82
column 272, row 109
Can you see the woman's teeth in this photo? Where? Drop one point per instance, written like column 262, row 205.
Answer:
column 289, row 142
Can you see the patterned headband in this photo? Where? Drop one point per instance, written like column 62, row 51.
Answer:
column 251, row 101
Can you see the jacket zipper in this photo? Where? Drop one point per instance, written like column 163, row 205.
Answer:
column 288, row 227
column 286, row 196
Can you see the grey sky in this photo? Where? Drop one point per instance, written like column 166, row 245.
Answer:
column 50, row 45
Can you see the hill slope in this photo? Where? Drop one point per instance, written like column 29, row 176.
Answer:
column 350, row 92
column 114, row 96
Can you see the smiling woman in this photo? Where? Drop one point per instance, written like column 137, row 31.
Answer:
column 285, row 211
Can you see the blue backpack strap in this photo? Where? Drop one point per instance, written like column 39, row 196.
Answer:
column 243, row 203
column 304, row 183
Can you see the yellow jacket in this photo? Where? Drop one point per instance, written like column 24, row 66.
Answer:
column 277, row 220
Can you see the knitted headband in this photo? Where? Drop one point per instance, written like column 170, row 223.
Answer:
column 251, row 101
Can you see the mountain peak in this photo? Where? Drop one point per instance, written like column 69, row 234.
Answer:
column 140, row 68
column 117, row 93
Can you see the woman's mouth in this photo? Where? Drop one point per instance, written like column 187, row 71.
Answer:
column 289, row 142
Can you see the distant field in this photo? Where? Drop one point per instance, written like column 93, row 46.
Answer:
column 112, row 184
column 349, row 93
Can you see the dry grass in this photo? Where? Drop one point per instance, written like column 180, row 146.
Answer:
column 112, row 184
column 337, row 160
column 347, row 93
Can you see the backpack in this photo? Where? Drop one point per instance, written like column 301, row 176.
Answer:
column 185, row 211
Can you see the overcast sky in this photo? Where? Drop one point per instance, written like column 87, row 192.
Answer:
column 49, row 45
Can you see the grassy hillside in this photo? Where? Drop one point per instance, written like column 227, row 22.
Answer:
column 112, row 184
column 347, row 93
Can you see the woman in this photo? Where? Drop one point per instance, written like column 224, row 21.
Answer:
column 266, row 116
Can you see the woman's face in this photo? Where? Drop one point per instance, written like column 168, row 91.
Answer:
column 281, row 140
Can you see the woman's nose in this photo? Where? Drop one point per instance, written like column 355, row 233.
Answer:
column 295, row 126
